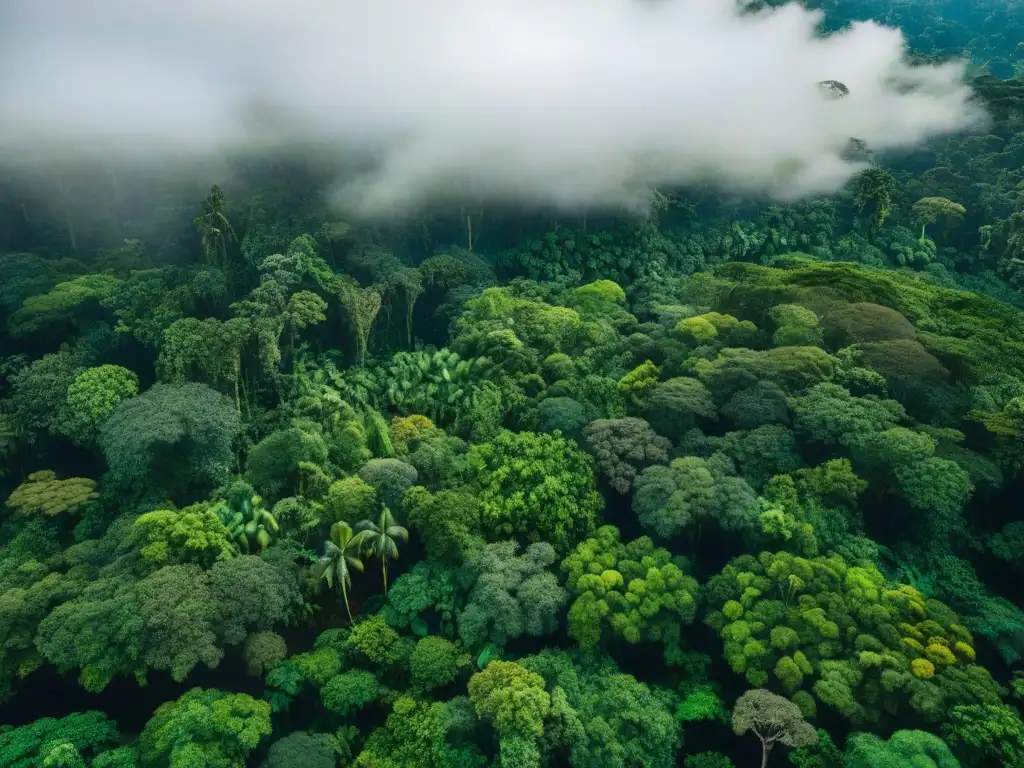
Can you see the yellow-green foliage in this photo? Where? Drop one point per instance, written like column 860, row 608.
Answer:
column 938, row 653
column 640, row 382
column 845, row 635
column 922, row 668
column 724, row 329
column 788, row 673
column 511, row 698
column 636, row 590
column 43, row 494
column 964, row 650
column 405, row 429
column 194, row 534
column 602, row 290
column 536, row 487
column 698, row 329
column 542, row 326
column 732, row 610
column 912, row 644
column 92, row 398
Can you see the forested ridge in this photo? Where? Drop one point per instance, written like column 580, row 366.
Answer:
column 491, row 484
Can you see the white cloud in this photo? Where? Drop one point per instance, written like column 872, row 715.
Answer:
column 564, row 102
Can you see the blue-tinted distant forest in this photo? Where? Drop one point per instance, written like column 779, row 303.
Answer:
column 735, row 482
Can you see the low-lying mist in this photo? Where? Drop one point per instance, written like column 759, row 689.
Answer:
column 570, row 104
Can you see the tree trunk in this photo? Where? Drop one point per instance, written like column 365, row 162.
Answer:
column 245, row 392
column 291, row 345
column 410, row 304
column 237, row 364
column 384, row 569
column 344, row 594
column 360, row 346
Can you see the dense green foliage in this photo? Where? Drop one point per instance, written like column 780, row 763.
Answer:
column 294, row 492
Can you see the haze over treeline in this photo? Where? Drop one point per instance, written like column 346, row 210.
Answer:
column 573, row 104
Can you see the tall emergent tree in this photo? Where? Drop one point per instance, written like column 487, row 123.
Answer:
column 379, row 539
column 362, row 306
column 773, row 719
column 341, row 555
column 215, row 231
column 928, row 209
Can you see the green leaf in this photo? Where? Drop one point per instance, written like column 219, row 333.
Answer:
column 487, row 655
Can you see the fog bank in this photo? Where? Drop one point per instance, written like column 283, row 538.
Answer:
column 570, row 103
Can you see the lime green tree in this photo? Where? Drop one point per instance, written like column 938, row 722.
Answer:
column 535, row 487
column 43, row 494
column 194, row 534
column 826, row 631
column 633, row 591
column 92, row 398
column 515, row 702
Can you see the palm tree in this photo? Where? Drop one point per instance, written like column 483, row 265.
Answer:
column 379, row 539
column 341, row 555
column 214, row 228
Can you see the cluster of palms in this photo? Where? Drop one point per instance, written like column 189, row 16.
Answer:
column 345, row 549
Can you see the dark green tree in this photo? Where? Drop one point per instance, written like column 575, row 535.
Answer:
column 215, row 231
column 171, row 438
